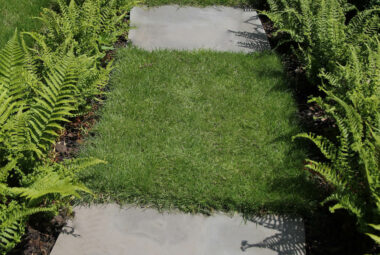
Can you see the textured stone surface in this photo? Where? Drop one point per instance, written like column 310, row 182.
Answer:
column 109, row 229
column 188, row 28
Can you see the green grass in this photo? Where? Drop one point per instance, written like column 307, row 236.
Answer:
column 199, row 131
column 236, row 3
column 19, row 14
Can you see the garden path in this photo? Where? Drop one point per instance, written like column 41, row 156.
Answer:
column 109, row 229
column 188, row 28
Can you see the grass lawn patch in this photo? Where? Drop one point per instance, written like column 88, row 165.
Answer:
column 19, row 14
column 199, row 131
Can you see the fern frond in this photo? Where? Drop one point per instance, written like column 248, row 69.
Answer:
column 353, row 119
column 374, row 237
column 54, row 105
column 328, row 172
column 77, row 165
column 4, row 172
column 362, row 24
column 12, row 63
column 12, row 225
column 6, row 107
column 328, row 149
column 52, row 183
column 16, row 128
column 345, row 201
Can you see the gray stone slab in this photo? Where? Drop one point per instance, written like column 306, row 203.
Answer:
column 188, row 28
column 109, row 229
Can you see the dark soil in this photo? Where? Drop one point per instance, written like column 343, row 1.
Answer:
column 73, row 135
column 41, row 234
column 326, row 233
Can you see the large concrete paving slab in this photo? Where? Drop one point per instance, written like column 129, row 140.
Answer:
column 109, row 229
column 188, row 28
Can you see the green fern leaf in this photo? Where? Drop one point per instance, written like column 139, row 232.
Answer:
column 54, row 105
column 52, row 183
column 328, row 149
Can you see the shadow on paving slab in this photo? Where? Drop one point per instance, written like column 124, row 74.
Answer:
column 109, row 229
column 289, row 241
column 187, row 28
column 255, row 40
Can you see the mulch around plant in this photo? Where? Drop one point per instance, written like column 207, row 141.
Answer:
column 42, row 231
column 41, row 234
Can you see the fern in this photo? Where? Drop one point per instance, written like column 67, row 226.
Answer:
column 319, row 28
column 30, row 121
column 31, row 124
column 53, row 104
column 353, row 166
column 77, row 165
column 51, row 183
column 12, row 223
column 345, row 55
column 12, row 62
column 328, row 149
column 85, row 30
column 40, row 89
column 13, row 215
column 55, row 181
column 6, row 107
column 85, row 27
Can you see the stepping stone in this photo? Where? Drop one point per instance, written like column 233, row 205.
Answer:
column 189, row 28
column 109, row 229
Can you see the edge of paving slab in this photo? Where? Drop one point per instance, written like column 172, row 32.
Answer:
column 148, row 228
column 249, row 36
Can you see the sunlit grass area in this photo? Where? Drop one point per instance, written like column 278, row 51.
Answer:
column 199, row 131
column 19, row 14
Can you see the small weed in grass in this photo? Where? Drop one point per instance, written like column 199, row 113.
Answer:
column 200, row 131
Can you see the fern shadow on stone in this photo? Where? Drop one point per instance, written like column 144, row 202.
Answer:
column 256, row 39
column 290, row 238
column 67, row 230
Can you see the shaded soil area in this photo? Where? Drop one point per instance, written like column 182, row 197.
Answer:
column 326, row 233
column 74, row 134
column 41, row 234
